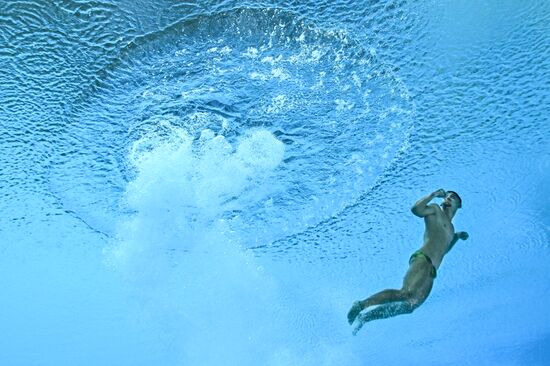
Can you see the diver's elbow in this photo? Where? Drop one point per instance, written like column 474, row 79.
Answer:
column 416, row 212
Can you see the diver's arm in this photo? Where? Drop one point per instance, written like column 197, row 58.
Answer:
column 421, row 208
column 458, row 235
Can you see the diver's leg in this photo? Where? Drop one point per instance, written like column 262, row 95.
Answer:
column 387, row 296
column 385, row 311
column 417, row 285
column 382, row 297
column 418, row 281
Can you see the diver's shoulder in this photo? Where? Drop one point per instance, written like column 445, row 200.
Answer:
column 435, row 210
column 435, row 207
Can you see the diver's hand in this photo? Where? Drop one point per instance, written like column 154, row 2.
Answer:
column 440, row 193
column 462, row 235
column 354, row 311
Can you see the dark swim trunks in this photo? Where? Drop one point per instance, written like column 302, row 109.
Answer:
column 419, row 253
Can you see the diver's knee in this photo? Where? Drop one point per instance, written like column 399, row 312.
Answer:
column 412, row 301
column 409, row 307
column 406, row 294
column 409, row 301
column 413, row 304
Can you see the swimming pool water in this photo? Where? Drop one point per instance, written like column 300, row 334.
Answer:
column 215, row 183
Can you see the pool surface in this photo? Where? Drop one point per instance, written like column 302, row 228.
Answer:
column 215, row 183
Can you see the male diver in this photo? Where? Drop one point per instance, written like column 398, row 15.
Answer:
column 439, row 238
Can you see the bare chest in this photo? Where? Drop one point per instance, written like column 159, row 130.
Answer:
column 439, row 228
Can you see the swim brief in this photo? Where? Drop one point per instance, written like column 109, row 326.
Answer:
column 420, row 253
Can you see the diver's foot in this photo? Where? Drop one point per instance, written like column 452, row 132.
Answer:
column 356, row 308
column 359, row 322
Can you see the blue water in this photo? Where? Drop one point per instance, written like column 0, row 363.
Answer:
column 216, row 183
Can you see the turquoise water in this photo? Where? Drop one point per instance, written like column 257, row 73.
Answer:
column 216, row 183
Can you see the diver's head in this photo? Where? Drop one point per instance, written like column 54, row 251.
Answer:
column 452, row 200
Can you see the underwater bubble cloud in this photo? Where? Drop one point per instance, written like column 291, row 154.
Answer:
column 305, row 119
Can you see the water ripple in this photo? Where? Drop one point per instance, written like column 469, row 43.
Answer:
column 236, row 71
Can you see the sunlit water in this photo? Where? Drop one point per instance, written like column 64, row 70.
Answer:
column 215, row 184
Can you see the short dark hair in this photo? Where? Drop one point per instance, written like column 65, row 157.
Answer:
column 459, row 199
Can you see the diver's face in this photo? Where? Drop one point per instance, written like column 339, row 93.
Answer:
column 451, row 200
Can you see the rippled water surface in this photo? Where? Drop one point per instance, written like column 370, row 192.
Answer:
column 216, row 183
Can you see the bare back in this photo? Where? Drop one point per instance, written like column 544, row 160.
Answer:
column 438, row 235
